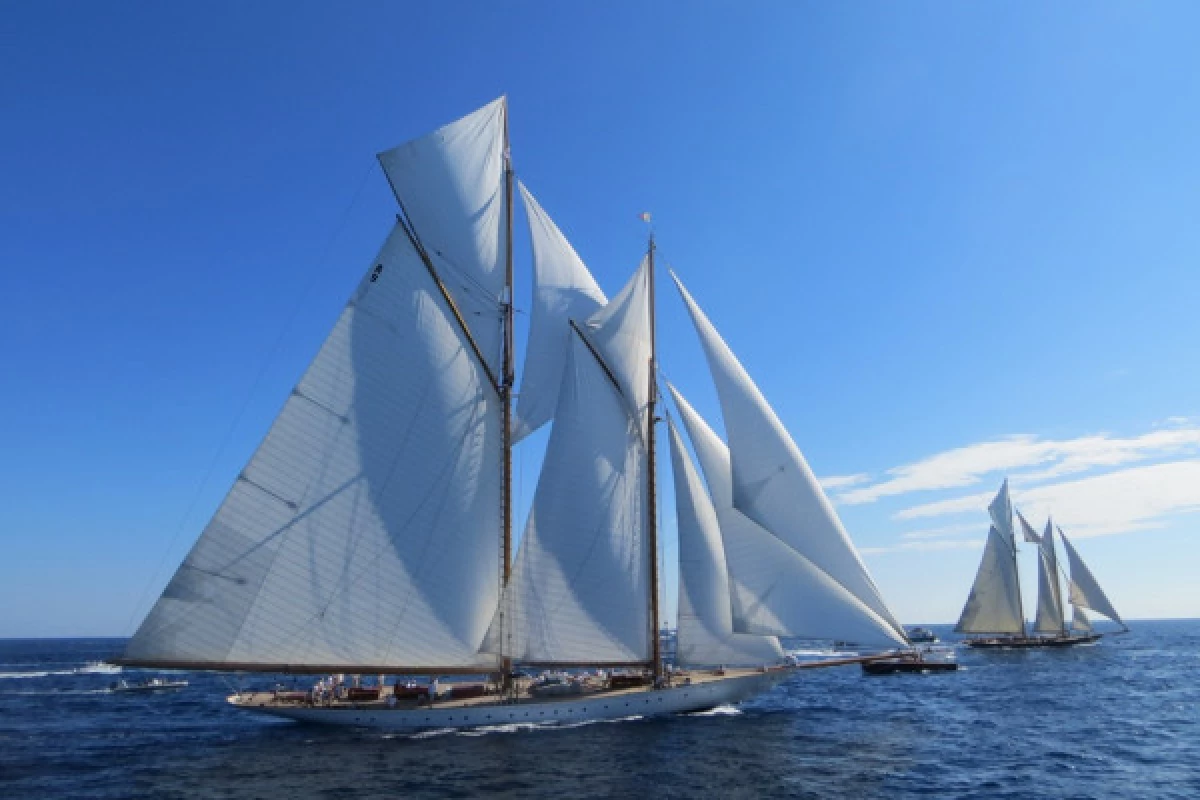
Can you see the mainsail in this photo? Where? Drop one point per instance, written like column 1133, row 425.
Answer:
column 578, row 589
column 1050, row 616
column 705, row 631
column 774, row 589
column 994, row 605
column 772, row 483
column 563, row 290
column 336, row 545
column 1084, row 591
column 450, row 185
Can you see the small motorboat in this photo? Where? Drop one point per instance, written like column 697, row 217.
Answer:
column 149, row 685
column 921, row 635
column 913, row 662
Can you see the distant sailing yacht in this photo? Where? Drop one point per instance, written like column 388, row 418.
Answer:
column 994, row 605
column 370, row 533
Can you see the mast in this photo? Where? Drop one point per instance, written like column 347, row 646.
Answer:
column 652, row 397
column 506, row 384
column 1017, row 572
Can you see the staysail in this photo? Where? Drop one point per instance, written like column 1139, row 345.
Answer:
column 363, row 531
column 450, row 184
column 1079, row 620
column 775, row 590
column 705, row 630
column 577, row 594
column 994, row 605
column 563, row 290
column 772, row 483
column 1084, row 591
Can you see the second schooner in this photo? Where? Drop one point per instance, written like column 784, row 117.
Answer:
column 994, row 606
column 370, row 533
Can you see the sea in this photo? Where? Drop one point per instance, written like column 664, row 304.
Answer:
column 1120, row 718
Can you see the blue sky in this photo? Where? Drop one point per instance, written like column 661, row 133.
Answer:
column 949, row 242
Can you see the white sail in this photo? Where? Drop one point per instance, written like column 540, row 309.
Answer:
column 450, row 184
column 1079, row 621
column 1084, row 590
column 579, row 590
column 1027, row 531
column 1050, row 611
column 1001, row 512
column 994, row 605
column 364, row 529
column 772, row 483
column 705, row 632
column 620, row 332
column 774, row 589
column 563, row 290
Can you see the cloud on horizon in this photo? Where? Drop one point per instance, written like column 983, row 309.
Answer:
column 1028, row 458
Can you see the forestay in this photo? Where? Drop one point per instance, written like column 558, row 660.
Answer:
column 563, row 290
column 579, row 588
column 363, row 531
column 1084, row 590
column 772, row 483
column 994, row 605
column 705, row 631
column 774, row 589
column 450, row 184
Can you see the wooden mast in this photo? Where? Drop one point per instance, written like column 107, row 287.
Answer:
column 652, row 505
column 506, row 385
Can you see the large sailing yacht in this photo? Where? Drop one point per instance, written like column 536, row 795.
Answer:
column 994, row 606
column 370, row 533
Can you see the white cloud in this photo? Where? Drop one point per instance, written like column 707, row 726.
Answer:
column 919, row 545
column 941, row 533
column 966, row 466
column 843, row 481
column 1136, row 498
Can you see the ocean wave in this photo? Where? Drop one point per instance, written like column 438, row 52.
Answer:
column 91, row 668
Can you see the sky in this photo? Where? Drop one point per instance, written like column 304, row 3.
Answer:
column 951, row 243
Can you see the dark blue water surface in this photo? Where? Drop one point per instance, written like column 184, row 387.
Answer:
column 1117, row 719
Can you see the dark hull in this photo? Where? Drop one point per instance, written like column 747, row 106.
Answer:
column 893, row 666
column 1024, row 642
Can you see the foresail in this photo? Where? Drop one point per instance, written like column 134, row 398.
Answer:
column 563, row 290
column 1084, row 590
column 774, row 589
column 772, row 483
column 580, row 586
column 450, row 184
column 993, row 605
column 364, row 529
column 705, row 632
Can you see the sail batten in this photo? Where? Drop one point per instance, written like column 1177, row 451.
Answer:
column 771, row 480
column 705, row 633
column 333, row 547
column 774, row 590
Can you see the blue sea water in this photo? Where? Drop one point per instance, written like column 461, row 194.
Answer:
column 1117, row 719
